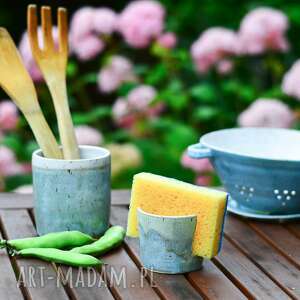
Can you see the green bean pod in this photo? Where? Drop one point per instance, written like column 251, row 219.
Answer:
column 112, row 238
column 61, row 257
column 58, row 240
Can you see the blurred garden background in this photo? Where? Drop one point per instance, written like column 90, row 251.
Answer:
column 148, row 78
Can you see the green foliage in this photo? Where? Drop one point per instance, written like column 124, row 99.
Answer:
column 98, row 113
column 193, row 103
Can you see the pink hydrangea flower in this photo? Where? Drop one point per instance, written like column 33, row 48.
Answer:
column 122, row 113
column 267, row 113
column 263, row 29
column 212, row 46
column 81, row 24
column 141, row 22
column 25, row 51
column 167, row 40
column 127, row 111
column 197, row 165
column 203, row 180
column 104, row 20
column 291, row 81
column 8, row 162
column 88, row 47
column 26, row 168
column 120, row 108
column 8, row 115
column 224, row 67
column 108, row 81
column 116, row 72
column 140, row 97
column 87, row 135
column 86, row 28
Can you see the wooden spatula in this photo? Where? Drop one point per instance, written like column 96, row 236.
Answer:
column 16, row 82
column 53, row 63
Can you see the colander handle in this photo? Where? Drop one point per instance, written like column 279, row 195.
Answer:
column 199, row 151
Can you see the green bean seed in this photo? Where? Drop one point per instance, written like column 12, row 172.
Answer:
column 61, row 257
column 112, row 238
column 58, row 240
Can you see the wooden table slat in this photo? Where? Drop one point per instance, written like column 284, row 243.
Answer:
column 247, row 275
column 268, row 259
column 9, row 289
column 173, row 287
column 17, row 224
column 258, row 261
column 85, row 283
column 294, row 228
column 213, row 283
column 125, row 279
column 287, row 243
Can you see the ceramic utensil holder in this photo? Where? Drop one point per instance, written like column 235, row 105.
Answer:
column 72, row 194
column 166, row 243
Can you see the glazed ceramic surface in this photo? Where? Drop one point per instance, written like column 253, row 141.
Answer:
column 72, row 194
column 259, row 167
column 166, row 243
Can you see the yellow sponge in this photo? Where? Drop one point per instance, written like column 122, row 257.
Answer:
column 170, row 197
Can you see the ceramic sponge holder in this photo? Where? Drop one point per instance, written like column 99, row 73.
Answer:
column 166, row 243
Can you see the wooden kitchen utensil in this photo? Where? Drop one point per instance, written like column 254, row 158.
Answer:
column 53, row 62
column 16, row 82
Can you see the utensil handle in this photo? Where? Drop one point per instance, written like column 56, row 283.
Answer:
column 43, row 135
column 64, row 120
column 199, row 151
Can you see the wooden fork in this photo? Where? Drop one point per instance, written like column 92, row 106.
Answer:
column 53, row 63
column 16, row 82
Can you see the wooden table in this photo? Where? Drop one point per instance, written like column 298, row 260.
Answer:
column 258, row 260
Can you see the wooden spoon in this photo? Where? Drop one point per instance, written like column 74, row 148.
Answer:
column 53, row 63
column 17, row 83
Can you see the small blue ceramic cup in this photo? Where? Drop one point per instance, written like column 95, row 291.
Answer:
column 166, row 243
column 72, row 194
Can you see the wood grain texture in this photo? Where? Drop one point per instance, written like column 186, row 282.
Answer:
column 251, row 280
column 84, row 283
column 9, row 289
column 212, row 283
column 294, row 228
column 52, row 63
column 17, row 83
column 125, row 279
column 258, row 261
column 267, row 258
column 284, row 241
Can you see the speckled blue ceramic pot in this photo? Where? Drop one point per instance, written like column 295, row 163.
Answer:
column 72, row 194
column 166, row 243
column 259, row 167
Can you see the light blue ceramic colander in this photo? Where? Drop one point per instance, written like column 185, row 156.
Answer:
column 259, row 167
